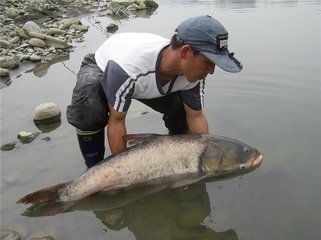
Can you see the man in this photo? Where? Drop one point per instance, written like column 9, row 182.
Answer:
column 168, row 76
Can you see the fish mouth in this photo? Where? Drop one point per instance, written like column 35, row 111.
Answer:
column 258, row 158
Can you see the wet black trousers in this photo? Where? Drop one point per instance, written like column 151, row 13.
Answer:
column 88, row 111
column 92, row 144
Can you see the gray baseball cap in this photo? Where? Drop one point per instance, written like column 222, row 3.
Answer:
column 208, row 36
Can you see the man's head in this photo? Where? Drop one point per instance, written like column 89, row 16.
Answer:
column 207, row 36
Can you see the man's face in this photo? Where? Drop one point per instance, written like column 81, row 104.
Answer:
column 197, row 66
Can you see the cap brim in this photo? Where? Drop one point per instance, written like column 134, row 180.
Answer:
column 225, row 61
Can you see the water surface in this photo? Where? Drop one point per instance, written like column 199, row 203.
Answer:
column 273, row 104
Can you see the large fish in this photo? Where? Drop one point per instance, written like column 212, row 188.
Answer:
column 165, row 161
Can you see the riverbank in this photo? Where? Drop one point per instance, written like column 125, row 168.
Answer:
column 39, row 31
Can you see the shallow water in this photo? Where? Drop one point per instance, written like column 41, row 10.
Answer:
column 273, row 104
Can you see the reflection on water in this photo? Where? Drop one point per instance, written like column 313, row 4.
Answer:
column 170, row 214
column 41, row 69
column 240, row 4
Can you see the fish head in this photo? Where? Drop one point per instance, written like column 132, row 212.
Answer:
column 226, row 156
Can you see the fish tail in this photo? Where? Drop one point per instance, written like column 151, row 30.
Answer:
column 45, row 195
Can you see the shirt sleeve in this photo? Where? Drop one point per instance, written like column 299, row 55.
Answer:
column 118, row 86
column 194, row 97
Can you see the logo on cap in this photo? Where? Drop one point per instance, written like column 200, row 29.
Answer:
column 222, row 41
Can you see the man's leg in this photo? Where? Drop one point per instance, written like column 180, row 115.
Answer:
column 88, row 111
column 171, row 106
column 92, row 146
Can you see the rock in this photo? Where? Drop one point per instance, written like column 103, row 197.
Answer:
column 142, row 5
column 126, row 3
column 43, row 238
column 31, row 26
column 48, row 127
column 22, row 33
column 24, row 45
column 7, row 147
column 35, row 58
column 15, row 39
column 24, row 57
column 47, row 139
column 4, row 72
column 36, row 42
column 134, row 7
column 11, row 13
column 46, row 112
column 9, row 235
column 37, row 35
column 81, row 28
column 27, row 137
column 30, row 50
column 150, row 4
column 54, row 31
column 111, row 28
column 9, row 62
column 55, row 42
column 66, row 23
column 38, row 49
column 5, row 44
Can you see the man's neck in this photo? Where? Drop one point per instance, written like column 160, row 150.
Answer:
column 168, row 67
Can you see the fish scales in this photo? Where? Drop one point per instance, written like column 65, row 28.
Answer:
column 160, row 159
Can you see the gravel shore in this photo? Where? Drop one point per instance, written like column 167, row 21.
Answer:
column 33, row 31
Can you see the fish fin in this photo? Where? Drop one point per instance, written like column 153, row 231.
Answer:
column 45, row 195
column 133, row 139
column 47, row 209
column 186, row 182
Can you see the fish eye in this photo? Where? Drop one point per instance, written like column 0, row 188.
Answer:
column 245, row 149
column 242, row 166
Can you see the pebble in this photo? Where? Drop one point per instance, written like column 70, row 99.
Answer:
column 9, row 235
column 37, row 35
column 111, row 28
column 46, row 138
column 15, row 39
column 5, row 44
column 35, row 58
column 11, row 13
column 24, row 45
column 8, row 147
column 46, row 112
column 4, row 72
column 27, row 137
column 24, row 57
column 56, row 42
column 54, row 31
column 30, row 50
column 31, row 26
column 36, row 42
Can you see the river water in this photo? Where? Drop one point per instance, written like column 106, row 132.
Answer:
column 274, row 104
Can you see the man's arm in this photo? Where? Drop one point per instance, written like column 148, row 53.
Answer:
column 116, row 129
column 196, row 120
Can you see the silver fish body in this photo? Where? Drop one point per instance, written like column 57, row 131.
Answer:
column 162, row 160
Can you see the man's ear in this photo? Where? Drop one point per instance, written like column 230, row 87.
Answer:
column 184, row 50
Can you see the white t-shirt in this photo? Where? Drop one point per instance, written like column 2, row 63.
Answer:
column 130, row 62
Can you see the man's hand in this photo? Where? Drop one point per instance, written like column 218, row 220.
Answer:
column 116, row 129
column 196, row 120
